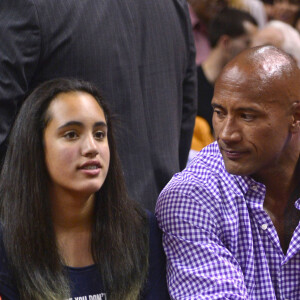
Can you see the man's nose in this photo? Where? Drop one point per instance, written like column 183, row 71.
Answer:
column 230, row 131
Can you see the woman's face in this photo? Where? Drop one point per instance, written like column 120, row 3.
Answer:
column 76, row 146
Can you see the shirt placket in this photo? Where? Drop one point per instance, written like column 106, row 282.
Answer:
column 289, row 265
column 255, row 202
column 255, row 199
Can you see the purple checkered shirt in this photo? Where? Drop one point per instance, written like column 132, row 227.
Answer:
column 219, row 242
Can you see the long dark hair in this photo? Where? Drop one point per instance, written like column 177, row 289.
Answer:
column 120, row 231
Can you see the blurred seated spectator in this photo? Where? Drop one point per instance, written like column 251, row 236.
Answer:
column 257, row 9
column 229, row 33
column 281, row 35
column 282, row 10
column 297, row 21
column 201, row 13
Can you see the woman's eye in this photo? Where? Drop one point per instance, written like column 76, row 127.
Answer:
column 71, row 135
column 99, row 135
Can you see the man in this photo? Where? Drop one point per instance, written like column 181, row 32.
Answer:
column 230, row 32
column 230, row 219
column 257, row 9
column 201, row 13
column 281, row 35
column 285, row 10
column 139, row 53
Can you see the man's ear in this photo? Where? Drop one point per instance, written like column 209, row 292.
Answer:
column 295, row 126
column 224, row 41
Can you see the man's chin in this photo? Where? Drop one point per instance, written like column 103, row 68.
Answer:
column 236, row 170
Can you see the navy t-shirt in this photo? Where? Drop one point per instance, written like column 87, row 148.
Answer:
column 86, row 283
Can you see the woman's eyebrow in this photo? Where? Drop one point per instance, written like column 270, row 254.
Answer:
column 100, row 124
column 80, row 124
column 71, row 123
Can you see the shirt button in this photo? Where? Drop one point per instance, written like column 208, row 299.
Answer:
column 264, row 226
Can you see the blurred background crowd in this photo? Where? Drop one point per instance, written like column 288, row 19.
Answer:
column 223, row 28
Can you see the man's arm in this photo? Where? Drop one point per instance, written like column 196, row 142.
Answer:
column 19, row 55
column 199, row 266
column 189, row 109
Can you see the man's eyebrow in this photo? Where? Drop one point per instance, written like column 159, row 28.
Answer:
column 215, row 105
column 250, row 109
column 243, row 108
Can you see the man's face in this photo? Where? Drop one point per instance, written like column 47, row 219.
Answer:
column 268, row 36
column 207, row 9
column 251, row 122
column 242, row 42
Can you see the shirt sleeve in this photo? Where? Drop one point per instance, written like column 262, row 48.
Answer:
column 199, row 266
column 19, row 56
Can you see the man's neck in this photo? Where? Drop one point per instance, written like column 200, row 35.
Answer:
column 280, row 206
column 281, row 183
column 282, row 190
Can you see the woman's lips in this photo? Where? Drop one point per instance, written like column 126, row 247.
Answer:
column 90, row 168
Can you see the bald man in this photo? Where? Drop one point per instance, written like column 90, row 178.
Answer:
column 230, row 219
column 281, row 35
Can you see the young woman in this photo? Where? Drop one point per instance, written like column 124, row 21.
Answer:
column 68, row 227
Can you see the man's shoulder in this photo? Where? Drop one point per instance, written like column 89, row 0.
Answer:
column 205, row 177
column 205, row 166
column 203, row 193
column 209, row 158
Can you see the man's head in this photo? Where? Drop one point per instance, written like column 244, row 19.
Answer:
column 281, row 35
column 231, row 31
column 207, row 9
column 257, row 112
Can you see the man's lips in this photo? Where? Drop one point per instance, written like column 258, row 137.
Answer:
column 233, row 154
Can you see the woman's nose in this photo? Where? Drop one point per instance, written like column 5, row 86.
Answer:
column 89, row 146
